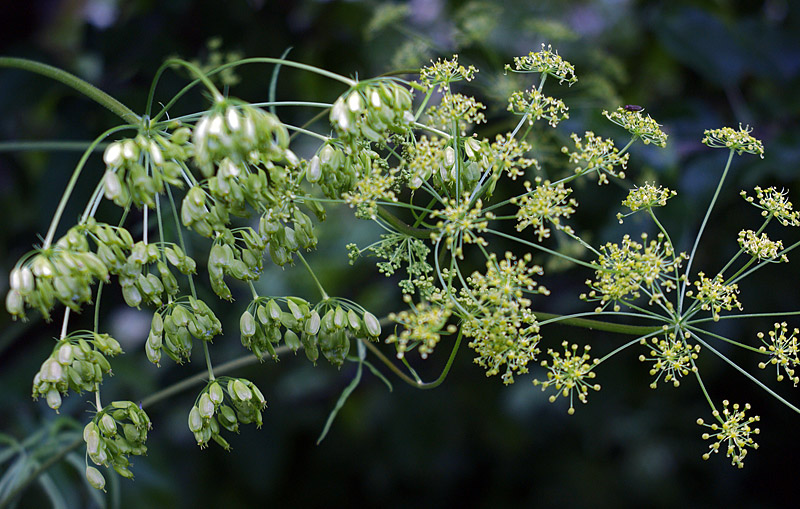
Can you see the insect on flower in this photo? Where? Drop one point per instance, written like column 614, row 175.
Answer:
column 633, row 107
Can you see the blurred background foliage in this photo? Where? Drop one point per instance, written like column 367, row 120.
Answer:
column 692, row 64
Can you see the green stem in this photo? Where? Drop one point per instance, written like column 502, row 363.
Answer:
column 48, row 146
column 74, row 82
column 208, row 361
column 314, row 277
column 586, row 323
column 200, row 76
column 399, row 225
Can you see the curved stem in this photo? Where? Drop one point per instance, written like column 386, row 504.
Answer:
column 314, row 277
column 394, row 221
column 74, row 82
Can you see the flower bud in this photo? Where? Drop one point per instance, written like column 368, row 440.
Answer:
column 113, row 154
column 54, row 399
column 15, row 304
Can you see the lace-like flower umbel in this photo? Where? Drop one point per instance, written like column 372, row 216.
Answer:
column 782, row 350
column 761, row 247
column 740, row 140
column 424, row 325
column 500, row 320
column 776, row 204
column 461, row 224
column 545, row 202
column 537, row 106
column 568, row 374
column 444, row 72
column 672, row 358
column 598, row 155
column 734, row 431
column 645, row 198
column 638, row 125
column 545, row 61
column 714, row 295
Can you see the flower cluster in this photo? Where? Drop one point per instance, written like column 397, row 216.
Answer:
column 427, row 157
column 568, row 374
column 397, row 250
column 626, row 268
column 715, row 295
column 505, row 330
column 774, row 203
column 596, row 155
column 423, row 325
column 545, row 202
column 377, row 184
column 138, row 168
column 235, row 130
column 536, row 106
column 672, row 358
column 647, row 197
column 462, row 222
column 444, row 72
column 210, row 410
column 638, row 125
column 372, row 110
column 734, row 431
column 546, row 61
column 783, row 351
column 77, row 362
column 761, row 247
column 458, row 109
column 740, row 140
column 115, row 432
column 173, row 326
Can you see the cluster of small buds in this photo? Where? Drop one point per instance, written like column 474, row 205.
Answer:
column 626, row 268
column 782, row 349
column 456, row 109
column 173, row 327
column 377, row 184
column 536, row 106
column 761, row 247
column 734, row 432
column 645, row 128
column 544, row 203
column 373, row 110
column 138, row 168
column 78, row 362
column 236, row 130
column 210, row 411
column 714, row 295
column 596, row 155
column 398, row 249
column 423, row 325
column 740, row 140
column 505, row 330
column 315, row 330
column 672, row 358
column 568, row 374
column 462, row 222
column 63, row 272
column 774, row 203
column 546, row 61
column 116, row 432
column 444, row 72
column 645, row 198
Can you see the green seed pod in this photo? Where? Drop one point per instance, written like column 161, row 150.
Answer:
column 298, row 307
column 326, row 325
column 215, row 393
column 372, row 324
column 180, row 316
column 132, row 296
column 51, row 371
column 310, row 346
column 314, row 172
column 108, row 425
column 312, row 324
column 227, row 418
column 339, row 318
column 15, row 304
column 353, row 321
column 292, row 340
column 241, row 390
column 274, row 310
column 262, row 314
column 288, row 321
column 247, row 325
column 123, row 471
column 53, row 399
column 205, row 406
column 153, row 353
column 95, row 478
column 195, row 420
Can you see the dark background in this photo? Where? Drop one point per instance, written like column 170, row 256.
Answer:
column 693, row 64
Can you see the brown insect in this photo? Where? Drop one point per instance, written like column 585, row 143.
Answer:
column 632, row 107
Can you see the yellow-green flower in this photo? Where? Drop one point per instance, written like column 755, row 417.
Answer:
column 733, row 431
column 782, row 349
column 638, row 125
column 545, row 61
column 740, row 140
column 568, row 374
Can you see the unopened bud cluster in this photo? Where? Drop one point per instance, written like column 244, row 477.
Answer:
column 78, row 362
column 224, row 403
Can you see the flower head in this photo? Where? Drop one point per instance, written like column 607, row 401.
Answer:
column 638, row 125
column 715, row 295
column 782, row 349
column 536, row 106
column 444, row 72
column 761, row 247
column 596, row 154
column 424, row 324
column 672, row 358
column 646, row 197
column 568, row 374
column 545, row 202
column 545, row 61
column 734, row 431
column 774, row 203
column 740, row 140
